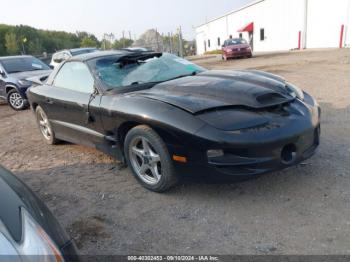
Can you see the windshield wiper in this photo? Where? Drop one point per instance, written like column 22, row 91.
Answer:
column 137, row 83
column 144, row 83
column 134, row 84
column 157, row 82
column 14, row 72
column 181, row 76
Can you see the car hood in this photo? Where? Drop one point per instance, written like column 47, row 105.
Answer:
column 215, row 89
column 29, row 74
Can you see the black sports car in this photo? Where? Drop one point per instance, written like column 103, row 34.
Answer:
column 28, row 230
column 165, row 116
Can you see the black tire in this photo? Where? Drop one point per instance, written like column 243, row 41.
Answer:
column 51, row 138
column 16, row 101
column 168, row 178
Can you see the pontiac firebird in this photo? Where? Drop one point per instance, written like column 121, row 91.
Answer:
column 166, row 117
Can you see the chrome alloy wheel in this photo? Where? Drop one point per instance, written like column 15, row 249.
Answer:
column 44, row 125
column 145, row 160
column 16, row 100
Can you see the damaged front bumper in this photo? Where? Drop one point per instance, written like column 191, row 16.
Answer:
column 258, row 150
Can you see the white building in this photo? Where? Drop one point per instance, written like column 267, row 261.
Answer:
column 278, row 25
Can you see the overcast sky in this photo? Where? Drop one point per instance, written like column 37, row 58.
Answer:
column 114, row 16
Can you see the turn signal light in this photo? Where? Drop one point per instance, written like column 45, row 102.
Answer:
column 180, row 159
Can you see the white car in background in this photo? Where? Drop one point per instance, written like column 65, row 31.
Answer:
column 63, row 55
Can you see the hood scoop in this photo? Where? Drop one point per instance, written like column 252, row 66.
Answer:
column 216, row 89
column 271, row 99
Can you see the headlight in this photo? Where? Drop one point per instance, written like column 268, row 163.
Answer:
column 35, row 245
column 296, row 90
column 24, row 82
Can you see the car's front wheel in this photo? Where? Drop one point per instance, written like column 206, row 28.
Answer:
column 45, row 126
column 16, row 101
column 149, row 159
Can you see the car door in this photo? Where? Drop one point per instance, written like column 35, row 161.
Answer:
column 73, row 105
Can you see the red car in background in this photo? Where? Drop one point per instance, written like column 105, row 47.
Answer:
column 236, row 47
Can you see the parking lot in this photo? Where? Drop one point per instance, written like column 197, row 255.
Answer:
column 302, row 210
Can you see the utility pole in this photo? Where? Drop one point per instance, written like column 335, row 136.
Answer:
column 180, row 43
column 170, row 42
column 173, row 45
column 347, row 31
column 104, row 41
column 123, row 39
column 306, row 7
column 107, row 37
column 157, row 40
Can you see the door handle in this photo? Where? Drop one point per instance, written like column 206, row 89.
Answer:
column 49, row 101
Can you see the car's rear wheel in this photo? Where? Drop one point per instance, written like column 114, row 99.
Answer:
column 45, row 126
column 149, row 159
column 16, row 101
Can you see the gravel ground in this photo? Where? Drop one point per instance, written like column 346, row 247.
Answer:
column 302, row 210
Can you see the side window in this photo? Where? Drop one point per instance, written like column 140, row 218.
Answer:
column 75, row 76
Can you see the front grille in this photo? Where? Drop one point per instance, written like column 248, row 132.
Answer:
column 257, row 129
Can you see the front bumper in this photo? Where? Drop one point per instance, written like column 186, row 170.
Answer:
column 260, row 160
column 242, row 163
column 234, row 54
column 259, row 151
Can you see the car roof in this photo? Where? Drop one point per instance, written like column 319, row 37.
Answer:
column 14, row 57
column 236, row 39
column 82, row 48
column 90, row 56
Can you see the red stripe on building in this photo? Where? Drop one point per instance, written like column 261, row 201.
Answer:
column 341, row 36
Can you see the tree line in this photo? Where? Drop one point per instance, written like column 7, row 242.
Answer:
column 22, row 39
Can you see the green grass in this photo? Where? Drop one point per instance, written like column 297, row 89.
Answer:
column 214, row 52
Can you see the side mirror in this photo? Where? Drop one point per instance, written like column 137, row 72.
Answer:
column 2, row 72
column 58, row 60
column 51, row 66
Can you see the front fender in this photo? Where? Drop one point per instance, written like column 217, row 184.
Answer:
column 174, row 125
column 21, row 90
